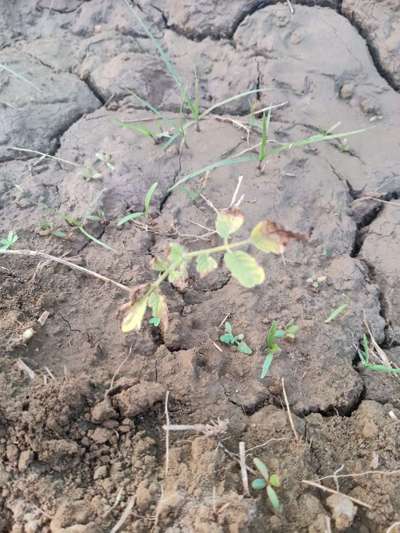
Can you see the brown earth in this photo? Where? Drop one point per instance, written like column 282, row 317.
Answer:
column 81, row 435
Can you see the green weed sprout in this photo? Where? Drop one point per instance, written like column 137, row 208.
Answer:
column 235, row 340
column 146, row 207
column 7, row 242
column 80, row 226
column 262, row 152
column 364, row 355
column 336, row 313
column 268, row 482
column 265, row 236
column 272, row 346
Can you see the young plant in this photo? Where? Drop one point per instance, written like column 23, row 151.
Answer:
column 146, row 207
column 267, row 482
column 262, row 153
column 272, row 347
column 7, row 242
column 336, row 313
column 364, row 355
column 265, row 236
column 235, row 340
column 80, row 226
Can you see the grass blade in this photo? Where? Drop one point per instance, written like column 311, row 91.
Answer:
column 266, row 365
column 20, row 77
column 213, row 166
column 92, row 238
column 129, row 217
column 148, row 197
column 336, row 312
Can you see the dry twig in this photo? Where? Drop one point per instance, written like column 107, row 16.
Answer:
column 296, row 435
column 331, row 491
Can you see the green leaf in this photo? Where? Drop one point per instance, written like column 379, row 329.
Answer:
column 273, row 498
column 243, row 347
column 133, row 319
column 262, row 468
column 244, row 268
column 271, row 335
column 228, row 221
column 280, row 333
column 336, row 312
column 60, row 234
column 258, row 484
column 205, row 264
column 227, row 338
column 159, row 308
column 8, row 241
column 129, row 217
column 148, row 197
column 266, row 365
column 176, row 253
column 274, row 480
column 154, row 321
column 292, row 330
column 228, row 327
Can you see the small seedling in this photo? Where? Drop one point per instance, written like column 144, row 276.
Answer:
column 7, row 242
column 235, row 340
column 154, row 321
column 268, row 482
column 146, row 208
column 79, row 225
column 272, row 346
column 364, row 355
column 336, row 313
column 262, row 152
column 266, row 236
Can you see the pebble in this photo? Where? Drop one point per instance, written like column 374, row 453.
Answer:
column 343, row 511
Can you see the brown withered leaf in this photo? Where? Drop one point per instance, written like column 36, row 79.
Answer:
column 271, row 237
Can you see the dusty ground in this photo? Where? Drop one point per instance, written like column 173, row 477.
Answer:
column 83, row 439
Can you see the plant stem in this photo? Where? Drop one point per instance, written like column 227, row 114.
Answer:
column 216, row 249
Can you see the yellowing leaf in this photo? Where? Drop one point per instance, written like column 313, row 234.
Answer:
column 228, row 221
column 272, row 238
column 244, row 268
column 179, row 276
column 133, row 319
column 205, row 264
column 159, row 308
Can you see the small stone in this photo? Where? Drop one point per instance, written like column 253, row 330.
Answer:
column 110, row 424
column 12, row 453
column 143, row 496
column 124, row 429
column 25, row 460
column 101, row 435
column 370, row 429
column 100, row 472
column 103, row 411
column 346, row 91
column 343, row 511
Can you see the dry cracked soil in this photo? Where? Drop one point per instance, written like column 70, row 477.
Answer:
column 82, row 406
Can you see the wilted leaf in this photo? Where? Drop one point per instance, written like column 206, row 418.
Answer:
column 258, row 484
column 228, row 221
column 272, row 238
column 178, row 277
column 133, row 319
column 273, row 498
column 261, row 467
column 244, row 268
column 160, row 265
column 205, row 264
